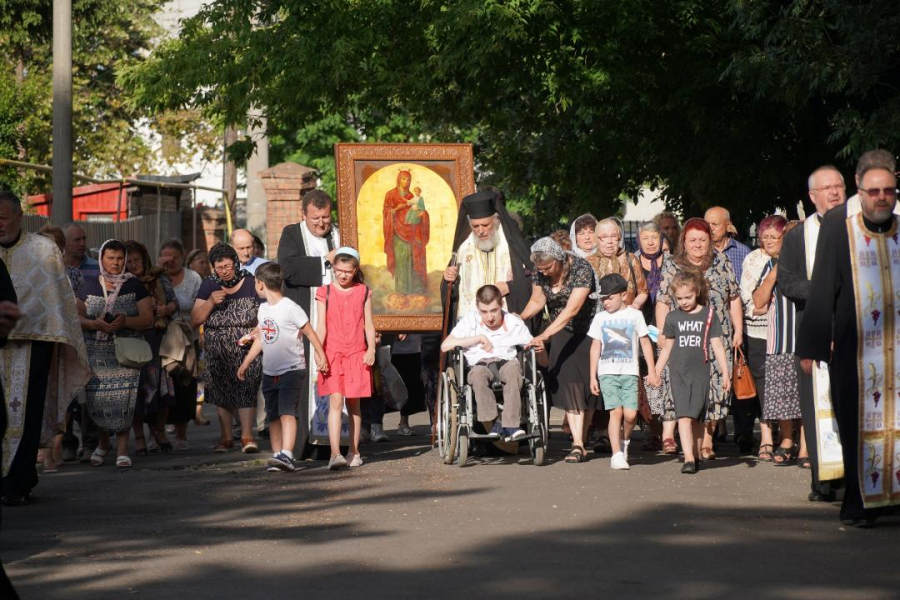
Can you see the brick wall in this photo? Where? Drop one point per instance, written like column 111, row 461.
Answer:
column 285, row 185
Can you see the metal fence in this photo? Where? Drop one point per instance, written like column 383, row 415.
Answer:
column 150, row 230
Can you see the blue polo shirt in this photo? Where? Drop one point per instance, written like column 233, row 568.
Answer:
column 254, row 263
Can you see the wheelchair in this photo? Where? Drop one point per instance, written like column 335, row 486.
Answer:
column 457, row 409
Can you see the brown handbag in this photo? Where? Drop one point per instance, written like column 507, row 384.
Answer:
column 743, row 384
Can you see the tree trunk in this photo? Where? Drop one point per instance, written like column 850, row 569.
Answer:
column 229, row 173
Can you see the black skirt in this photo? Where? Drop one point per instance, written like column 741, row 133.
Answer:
column 569, row 374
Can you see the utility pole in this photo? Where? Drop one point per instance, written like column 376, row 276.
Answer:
column 62, row 112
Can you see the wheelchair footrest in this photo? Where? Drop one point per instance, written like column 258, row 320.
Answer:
column 484, row 436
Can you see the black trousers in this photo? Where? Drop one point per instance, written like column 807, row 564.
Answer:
column 22, row 475
column 745, row 412
column 808, row 412
column 410, row 368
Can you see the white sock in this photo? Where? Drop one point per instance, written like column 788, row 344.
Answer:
column 288, row 453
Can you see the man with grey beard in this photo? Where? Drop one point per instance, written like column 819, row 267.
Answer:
column 488, row 249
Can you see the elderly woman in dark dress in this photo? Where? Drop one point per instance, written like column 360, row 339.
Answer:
column 696, row 253
column 227, row 306
column 563, row 283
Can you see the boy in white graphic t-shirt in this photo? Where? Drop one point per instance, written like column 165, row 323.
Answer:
column 617, row 333
column 280, row 322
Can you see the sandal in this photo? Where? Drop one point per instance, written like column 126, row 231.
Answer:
column 98, row 456
column 669, row 446
column 707, row 454
column 654, row 444
column 804, row 463
column 765, row 455
column 785, row 456
column 577, row 455
column 223, row 446
column 165, row 446
column 603, row 445
column 142, row 449
column 248, row 446
column 123, row 461
column 405, row 430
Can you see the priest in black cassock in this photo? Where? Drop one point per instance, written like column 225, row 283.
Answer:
column 795, row 266
column 854, row 290
column 488, row 248
column 305, row 252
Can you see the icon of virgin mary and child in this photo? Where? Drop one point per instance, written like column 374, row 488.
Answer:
column 406, row 231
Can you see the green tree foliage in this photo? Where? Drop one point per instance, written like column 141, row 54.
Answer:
column 108, row 140
column 570, row 103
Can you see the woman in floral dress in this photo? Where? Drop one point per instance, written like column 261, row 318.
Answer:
column 696, row 253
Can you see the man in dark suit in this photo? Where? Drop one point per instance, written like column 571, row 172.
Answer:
column 795, row 264
column 305, row 252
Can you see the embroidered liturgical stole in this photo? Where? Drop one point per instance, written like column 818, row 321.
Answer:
column 875, row 258
column 828, row 440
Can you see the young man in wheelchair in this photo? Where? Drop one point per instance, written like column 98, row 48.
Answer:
column 489, row 336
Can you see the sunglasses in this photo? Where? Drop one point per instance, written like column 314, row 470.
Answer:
column 872, row 192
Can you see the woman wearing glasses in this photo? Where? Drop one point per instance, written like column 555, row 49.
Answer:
column 756, row 321
column 226, row 306
column 781, row 400
column 611, row 257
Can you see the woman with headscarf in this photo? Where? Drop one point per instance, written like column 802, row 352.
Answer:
column 563, row 283
column 611, row 257
column 697, row 253
column 116, row 304
column 583, row 235
column 227, row 306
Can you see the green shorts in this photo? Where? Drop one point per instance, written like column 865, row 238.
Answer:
column 619, row 390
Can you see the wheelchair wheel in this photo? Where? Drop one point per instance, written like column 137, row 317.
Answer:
column 448, row 422
column 463, row 447
column 538, row 424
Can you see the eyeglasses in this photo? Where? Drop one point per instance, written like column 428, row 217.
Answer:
column 770, row 238
column 223, row 268
column 888, row 192
column 345, row 271
column 830, row 188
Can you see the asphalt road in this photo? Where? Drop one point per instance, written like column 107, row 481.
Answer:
column 199, row 525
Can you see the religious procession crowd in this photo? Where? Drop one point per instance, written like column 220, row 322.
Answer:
column 797, row 334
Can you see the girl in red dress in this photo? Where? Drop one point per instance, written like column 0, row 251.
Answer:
column 347, row 331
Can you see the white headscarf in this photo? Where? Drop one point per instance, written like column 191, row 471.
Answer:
column 572, row 234
column 117, row 280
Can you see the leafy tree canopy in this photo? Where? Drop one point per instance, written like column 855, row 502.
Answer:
column 110, row 135
column 570, row 103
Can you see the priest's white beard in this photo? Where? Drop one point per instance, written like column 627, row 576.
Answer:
column 488, row 244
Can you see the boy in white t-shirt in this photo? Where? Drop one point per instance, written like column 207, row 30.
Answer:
column 617, row 332
column 490, row 336
column 280, row 324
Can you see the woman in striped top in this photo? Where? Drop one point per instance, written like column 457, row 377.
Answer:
column 782, row 395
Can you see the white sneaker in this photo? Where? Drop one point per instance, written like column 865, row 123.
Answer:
column 354, row 460
column 619, row 462
column 337, row 462
column 378, row 434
